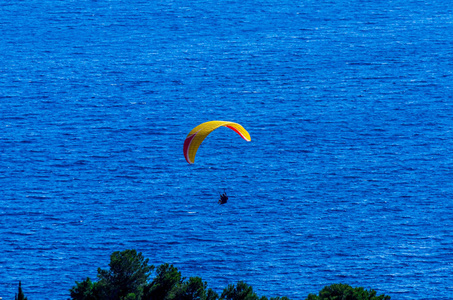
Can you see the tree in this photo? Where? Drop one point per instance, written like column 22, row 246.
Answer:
column 128, row 274
column 85, row 290
column 167, row 278
column 193, row 289
column 128, row 279
column 346, row 292
column 241, row 291
column 20, row 295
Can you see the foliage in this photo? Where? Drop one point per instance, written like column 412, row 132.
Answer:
column 20, row 295
column 128, row 279
column 167, row 277
column 193, row 289
column 128, row 274
column 84, row 290
column 346, row 292
column 241, row 291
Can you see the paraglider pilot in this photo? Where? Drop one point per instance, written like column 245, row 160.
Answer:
column 223, row 198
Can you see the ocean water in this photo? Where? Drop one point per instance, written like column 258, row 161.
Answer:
column 347, row 179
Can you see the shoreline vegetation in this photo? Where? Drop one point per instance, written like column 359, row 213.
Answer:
column 129, row 279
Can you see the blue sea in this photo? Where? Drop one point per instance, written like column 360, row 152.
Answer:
column 347, row 179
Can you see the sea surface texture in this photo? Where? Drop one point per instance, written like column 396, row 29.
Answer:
column 348, row 177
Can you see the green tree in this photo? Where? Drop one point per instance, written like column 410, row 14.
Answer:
column 20, row 295
column 346, row 292
column 128, row 273
column 167, row 278
column 211, row 295
column 193, row 289
column 241, row 291
column 85, row 290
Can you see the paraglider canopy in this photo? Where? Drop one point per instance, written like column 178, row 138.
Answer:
column 199, row 133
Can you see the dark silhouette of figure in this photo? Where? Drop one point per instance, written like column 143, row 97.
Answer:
column 223, row 198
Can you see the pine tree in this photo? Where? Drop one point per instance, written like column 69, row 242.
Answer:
column 20, row 295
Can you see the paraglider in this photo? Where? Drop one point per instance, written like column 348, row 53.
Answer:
column 223, row 198
column 199, row 133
